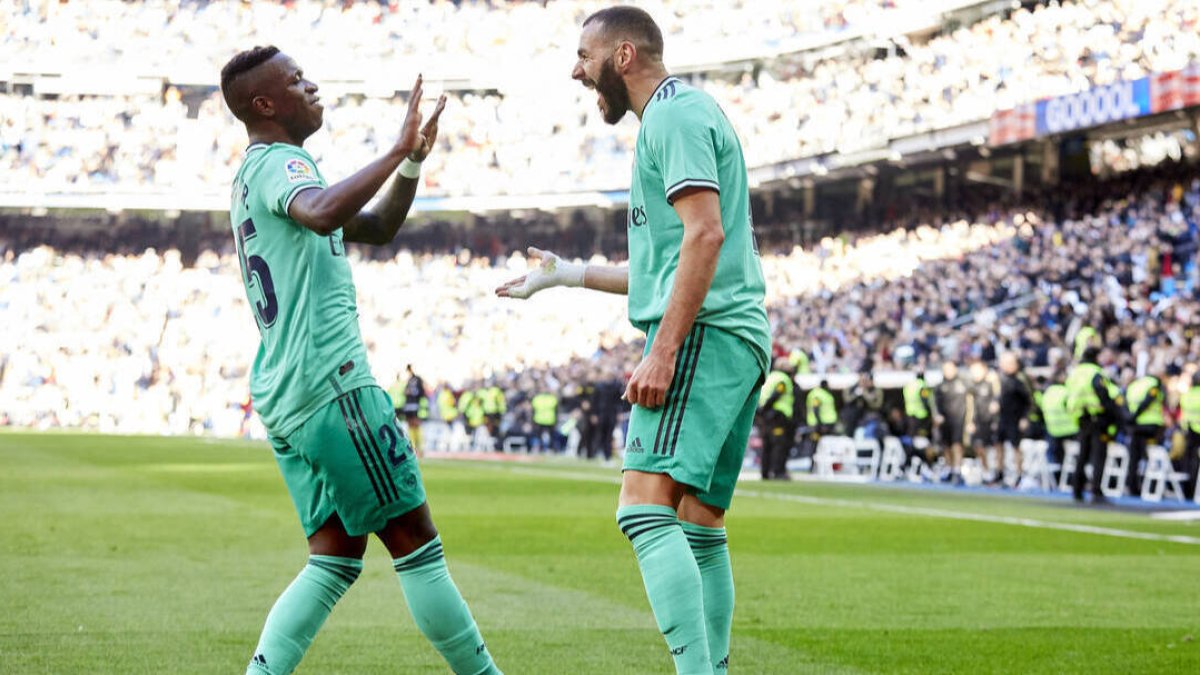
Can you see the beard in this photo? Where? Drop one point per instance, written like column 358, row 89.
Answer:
column 612, row 89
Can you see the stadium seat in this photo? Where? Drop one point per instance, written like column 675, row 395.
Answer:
column 572, row 448
column 1161, row 478
column 867, row 455
column 1037, row 464
column 892, row 464
column 1116, row 471
column 971, row 471
column 447, row 437
column 482, row 441
column 834, row 455
column 1069, row 463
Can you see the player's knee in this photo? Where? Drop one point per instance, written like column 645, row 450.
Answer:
column 345, row 570
column 406, row 533
column 328, row 578
column 619, row 519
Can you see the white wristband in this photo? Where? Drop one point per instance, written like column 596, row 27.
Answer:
column 410, row 169
column 570, row 274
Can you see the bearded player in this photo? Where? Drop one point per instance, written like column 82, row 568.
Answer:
column 696, row 288
column 349, row 469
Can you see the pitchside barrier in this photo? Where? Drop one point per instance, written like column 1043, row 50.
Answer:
column 863, row 459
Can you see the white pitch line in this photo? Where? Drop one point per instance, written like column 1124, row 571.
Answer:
column 1182, row 516
column 894, row 508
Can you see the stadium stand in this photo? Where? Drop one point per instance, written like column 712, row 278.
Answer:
column 138, row 316
column 885, row 301
column 511, row 140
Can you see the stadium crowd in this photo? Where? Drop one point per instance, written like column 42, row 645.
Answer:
column 466, row 35
column 148, row 341
column 512, row 139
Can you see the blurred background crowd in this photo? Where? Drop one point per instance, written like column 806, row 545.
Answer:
column 119, row 315
column 136, row 321
column 516, row 123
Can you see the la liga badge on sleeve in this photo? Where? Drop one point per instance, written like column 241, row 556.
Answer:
column 298, row 170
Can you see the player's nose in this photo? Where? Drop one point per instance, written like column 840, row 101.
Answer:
column 577, row 72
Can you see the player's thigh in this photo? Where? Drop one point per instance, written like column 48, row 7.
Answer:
column 362, row 459
column 645, row 488
column 332, row 539
column 728, row 467
column 305, row 487
column 685, row 438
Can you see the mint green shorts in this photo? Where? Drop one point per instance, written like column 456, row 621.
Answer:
column 699, row 436
column 352, row 459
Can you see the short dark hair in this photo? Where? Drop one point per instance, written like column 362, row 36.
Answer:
column 243, row 62
column 633, row 24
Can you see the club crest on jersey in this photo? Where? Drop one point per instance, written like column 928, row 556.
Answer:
column 298, row 170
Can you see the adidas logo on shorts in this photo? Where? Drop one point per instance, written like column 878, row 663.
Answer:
column 635, row 445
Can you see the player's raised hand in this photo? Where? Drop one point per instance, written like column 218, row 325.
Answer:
column 552, row 271
column 410, row 130
column 429, row 132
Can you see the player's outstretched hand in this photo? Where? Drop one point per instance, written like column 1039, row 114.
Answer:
column 428, row 135
column 553, row 271
column 410, row 130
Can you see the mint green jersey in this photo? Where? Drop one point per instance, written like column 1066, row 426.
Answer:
column 300, row 291
column 686, row 141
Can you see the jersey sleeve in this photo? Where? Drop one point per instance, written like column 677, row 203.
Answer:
column 287, row 172
column 683, row 139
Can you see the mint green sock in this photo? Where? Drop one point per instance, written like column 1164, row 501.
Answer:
column 440, row 611
column 672, row 582
column 300, row 611
column 711, row 550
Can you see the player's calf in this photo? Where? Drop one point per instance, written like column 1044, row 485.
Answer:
column 300, row 611
column 672, row 582
column 433, row 599
column 704, row 526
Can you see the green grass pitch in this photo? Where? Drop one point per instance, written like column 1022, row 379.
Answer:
column 148, row 555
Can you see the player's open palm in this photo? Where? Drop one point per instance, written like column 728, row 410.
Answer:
column 410, row 130
column 428, row 135
column 552, row 271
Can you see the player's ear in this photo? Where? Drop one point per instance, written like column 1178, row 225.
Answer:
column 263, row 106
column 625, row 56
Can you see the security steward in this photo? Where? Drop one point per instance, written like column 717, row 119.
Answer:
column 1099, row 404
column 776, row 410
column 494, row 407
column 447, row 405
column 918, row 416
column 1190, row 420
column 1062, row 424
column 822, row 410
column 1145, row 397
column 545, row 418
column 470, row 406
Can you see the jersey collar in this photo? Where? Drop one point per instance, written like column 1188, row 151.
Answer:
column 670, row 79
column 255, row 146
